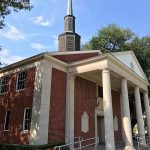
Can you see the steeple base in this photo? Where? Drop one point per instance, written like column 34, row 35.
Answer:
column 69, row 41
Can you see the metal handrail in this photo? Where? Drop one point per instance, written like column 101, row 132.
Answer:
column 139, row 140
column 79, row 143
column 79, row 138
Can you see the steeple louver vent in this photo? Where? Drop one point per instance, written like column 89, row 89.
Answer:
column 70, row 43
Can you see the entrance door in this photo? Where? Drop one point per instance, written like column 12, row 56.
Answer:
column 101, row 129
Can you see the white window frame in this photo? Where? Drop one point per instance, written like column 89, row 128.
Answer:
column 6, row 84
column 6, row 112
column 21, row 80
column 24, row 130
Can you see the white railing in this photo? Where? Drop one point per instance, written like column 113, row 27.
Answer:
column 82, row 143
column 141, row 142
column 78, row 138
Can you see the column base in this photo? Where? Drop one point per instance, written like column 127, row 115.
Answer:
column 129, row 148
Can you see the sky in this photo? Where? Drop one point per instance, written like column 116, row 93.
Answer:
column 28, row 33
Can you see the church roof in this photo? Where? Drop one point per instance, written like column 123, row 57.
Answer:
column 78, row 57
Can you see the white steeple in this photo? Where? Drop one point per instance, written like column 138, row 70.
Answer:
column 69, row 8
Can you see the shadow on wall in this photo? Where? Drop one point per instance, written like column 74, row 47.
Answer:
column 16, row 102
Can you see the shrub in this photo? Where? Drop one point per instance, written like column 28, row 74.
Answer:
column 27, row 147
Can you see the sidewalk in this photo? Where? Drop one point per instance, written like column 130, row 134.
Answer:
column 119, row 146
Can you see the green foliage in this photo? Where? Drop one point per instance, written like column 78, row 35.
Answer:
column 27, row 147
column 110, row 38
column 141, row 48
column 114, row 39
column 6, row 6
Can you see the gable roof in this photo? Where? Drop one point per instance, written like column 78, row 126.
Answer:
column 70, row 57
column 77, row 57
column 129, row 59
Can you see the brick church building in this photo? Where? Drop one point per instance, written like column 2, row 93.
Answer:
column 57, row 96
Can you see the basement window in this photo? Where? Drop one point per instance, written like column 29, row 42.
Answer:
column 21, row 78
column 3, row 85
column 27, row 119
column 7, row 118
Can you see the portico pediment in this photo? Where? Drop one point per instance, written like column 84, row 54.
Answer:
column 129, row 59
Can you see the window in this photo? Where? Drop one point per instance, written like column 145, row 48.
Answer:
column 21, row 78
column 100, row 91
column 26, row 121
column 3, row 85
column 7, row 118
column 132, row 66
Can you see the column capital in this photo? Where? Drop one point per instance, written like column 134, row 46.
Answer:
column 136, row 88
column 145, row 93
column 105, row 70
column 71, row 76
column 124, row 79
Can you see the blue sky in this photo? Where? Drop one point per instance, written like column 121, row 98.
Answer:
column 30, row 33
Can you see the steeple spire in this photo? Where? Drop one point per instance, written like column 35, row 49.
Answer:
column 69, row 40
column 69, row 8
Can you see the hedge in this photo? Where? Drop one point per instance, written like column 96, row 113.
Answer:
column 27, row 147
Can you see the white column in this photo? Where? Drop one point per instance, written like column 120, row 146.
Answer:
column 126, row 116
column 41, row 104
column 69, row 132
column 147, row 110
column 108, row 112
column 139, row 115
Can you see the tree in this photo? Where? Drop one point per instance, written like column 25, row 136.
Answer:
column 7, row 6
column 113, row 39
column 110, row 38
column 141, row 48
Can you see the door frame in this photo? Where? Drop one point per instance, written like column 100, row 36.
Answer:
column 97, row 113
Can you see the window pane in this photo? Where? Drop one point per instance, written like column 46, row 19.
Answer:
column 100, row 91
column 27, row 117
column 21, row 80
column 3, row 85
column 7, row 116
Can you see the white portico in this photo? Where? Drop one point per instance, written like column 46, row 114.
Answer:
column 111, row 73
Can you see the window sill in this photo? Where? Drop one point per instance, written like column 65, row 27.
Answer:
column 6, row 130
column 1, row 94
column 25, row 132
column 17, row 91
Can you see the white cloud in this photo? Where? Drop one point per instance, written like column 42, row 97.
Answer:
column 39, row 46
column 8, row 58
column 39, row 20
column 12, row 33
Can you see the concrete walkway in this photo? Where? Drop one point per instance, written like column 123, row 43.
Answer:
column 119, row 146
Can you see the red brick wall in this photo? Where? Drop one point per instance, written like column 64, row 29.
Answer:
column 75, row 57
column 16, row 102
column 85, row 100
column 57, row 107
column 117, row 112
